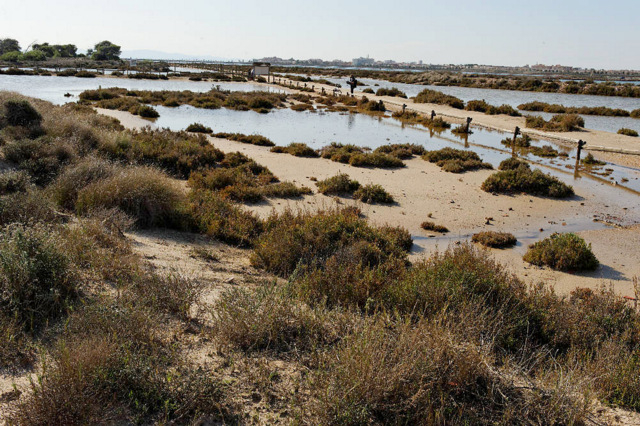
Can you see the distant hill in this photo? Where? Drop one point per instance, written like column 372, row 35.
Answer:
column 156, row 54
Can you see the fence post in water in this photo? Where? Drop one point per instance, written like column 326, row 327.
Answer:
column 404, row 107
column 516, row 132
column 468, row 124
column 581, row 144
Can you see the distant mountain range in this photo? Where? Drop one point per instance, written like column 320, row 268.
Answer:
column 156, row 54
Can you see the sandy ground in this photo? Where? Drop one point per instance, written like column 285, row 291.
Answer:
column 457, row 202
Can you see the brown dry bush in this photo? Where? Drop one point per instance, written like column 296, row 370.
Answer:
column 144, row 193
column 494, row 239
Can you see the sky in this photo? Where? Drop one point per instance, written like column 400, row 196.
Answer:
column 586, row 33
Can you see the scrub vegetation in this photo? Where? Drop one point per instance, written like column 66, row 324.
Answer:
column 334, row 325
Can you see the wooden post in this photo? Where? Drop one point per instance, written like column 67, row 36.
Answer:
column 404, row 108
column 433, row 114
column 516, row 132
column 581, row 144
column 468, row 124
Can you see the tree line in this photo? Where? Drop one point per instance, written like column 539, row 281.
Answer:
column 10, row 51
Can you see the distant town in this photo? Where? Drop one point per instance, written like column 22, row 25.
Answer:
column 368, row 62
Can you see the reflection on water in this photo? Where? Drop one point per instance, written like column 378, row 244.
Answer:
column 319, row 128
column 53, row 88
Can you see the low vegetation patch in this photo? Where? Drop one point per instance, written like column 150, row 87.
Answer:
column 456, row 160
column 523, row 180
column 373, row 193
column 563, row 252
column 258, row 140
column 297, row 149
column 494, row 239
column 628, row 132
column 340, row 184
column 482, row 106
column 428, row 225
column 428, row 96
column 561, row 109
column 198, row 128
column 558, row 123
column 402, row 151
column 359, row 157
column 394, row 91
column 590, row 160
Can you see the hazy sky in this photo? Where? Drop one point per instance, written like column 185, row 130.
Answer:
column 585, row 33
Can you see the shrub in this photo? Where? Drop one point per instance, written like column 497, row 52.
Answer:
column 417, row 374
column 66, row 187
column 523, row 141
column 284, row 190
column 85, row 74
column 179, row 153
column 339, row 184
column 394, row 91
column 306, row 240
column 302, row 107
column 27, row 208
column 401, row 151
column 456, row 160
column 221, row 219
column 372, row 193
column 269, row 318
column 36, row 277
column 147, row 112
column 297, row 149
column 590, row 160
column 428, row 96
column 375, row 160
column 21, row 113
column 563, row 252
column 369, row 90
column 198, row 128
column 558, row 123
column 628, row 132
column 494, row 239
column 145, row 194
column 431, row 226
column 635, row 113
column 250, row 139
column 524, row 180
column 11, row 182
column 513, row 163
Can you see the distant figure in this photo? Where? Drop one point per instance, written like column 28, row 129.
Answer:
column 433, row 114
column 404, row 108
column 352, row 83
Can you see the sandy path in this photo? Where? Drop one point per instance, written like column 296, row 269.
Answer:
column 457, row 202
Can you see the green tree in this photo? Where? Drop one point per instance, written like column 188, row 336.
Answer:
column 9, row 45
column 105, row 51
column 34, row 55
column 45, row 48
column 14, row 56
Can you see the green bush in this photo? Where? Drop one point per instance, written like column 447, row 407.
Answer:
column 524, row 180
column 198, row 128
column 563, row 252
column 494, row 239
column 628, row 132
column 339, row 184
column 403, row 151
column 36, row 277
column 373, row 193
